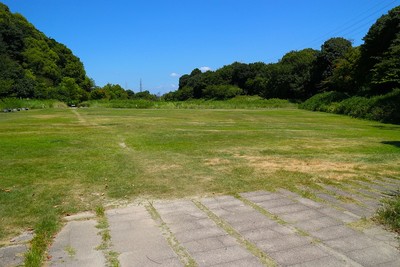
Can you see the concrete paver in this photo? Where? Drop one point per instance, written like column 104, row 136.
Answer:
column 207, row 243
column 12, row 255
column 76, row 245
column 138, row 240
column 274, row 239
column 313, row 233
column 353, row 245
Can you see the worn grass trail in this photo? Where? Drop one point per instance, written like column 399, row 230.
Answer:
column 60, row 161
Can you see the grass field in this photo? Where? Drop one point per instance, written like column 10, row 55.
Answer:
column 59, row 161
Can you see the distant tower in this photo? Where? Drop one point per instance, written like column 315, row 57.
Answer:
column 141, row 86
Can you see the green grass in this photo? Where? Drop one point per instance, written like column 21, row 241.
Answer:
column 60, row 161
column 389, row 213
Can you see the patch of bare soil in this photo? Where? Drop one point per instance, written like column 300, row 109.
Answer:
column 328, row 169
column 216, row 161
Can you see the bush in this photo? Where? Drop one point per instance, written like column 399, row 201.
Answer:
column 322, row 102
column 383, row 108
column 30, row 103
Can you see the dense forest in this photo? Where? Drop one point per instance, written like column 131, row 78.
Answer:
column 360, row 81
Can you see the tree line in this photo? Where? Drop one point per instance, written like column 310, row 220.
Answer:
column 35, row 66
column 370, row 69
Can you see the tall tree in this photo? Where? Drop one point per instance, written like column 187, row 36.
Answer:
column 378, row 66
column 332, row 50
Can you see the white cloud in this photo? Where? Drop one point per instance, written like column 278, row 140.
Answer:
column 174, row 74
column 205, row 68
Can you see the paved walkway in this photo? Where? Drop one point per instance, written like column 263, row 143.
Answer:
column 253, row 229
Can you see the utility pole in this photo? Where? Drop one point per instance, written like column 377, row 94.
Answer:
column 141, row 86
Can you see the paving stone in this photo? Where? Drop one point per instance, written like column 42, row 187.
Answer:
column 278, row 202
column 373, row 256
column 350, row 207
column 317, row 223
column 185, row 226
column 339, row 215
column 368, row 193
column 12, row 255
column 248, row 262
column 202, row 242
column 287, row 209
column 357, row 210
column 338, row 191
column 23, row 238
column 333, row 232
column 303, row 215
column 76, row 245
column 262, row 196
column 249, row 225
column 287, row 193
column 272, row 238
column 139, row 240
column 222, row 256
column 377, row 187
column 308, row 202
column 80, row 216
column 327, row 261
column 394, row 263
column 379, row 233
column 260, row 234
column 298, row 255
column 282, row 243
column 201, row 245
column 350, row 243
column 125, row 259
column 201, row 233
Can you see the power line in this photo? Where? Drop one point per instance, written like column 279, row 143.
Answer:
column 350, row 24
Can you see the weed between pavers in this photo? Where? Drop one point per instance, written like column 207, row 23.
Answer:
column 182, row 253
column 110, row 255
column 274, row 217
column 361, row 224
column 263, row 257
column 70, row 251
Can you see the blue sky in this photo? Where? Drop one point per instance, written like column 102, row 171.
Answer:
column 123, row 41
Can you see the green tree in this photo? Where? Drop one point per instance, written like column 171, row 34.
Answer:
column 343, row 78
column 115, row 91
column 386, row 73
column 221, row 92
column 332, row 50
column 380, row 45
column 69, row 92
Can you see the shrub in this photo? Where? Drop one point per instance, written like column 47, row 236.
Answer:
column 30, row 103
column 321, row 102
column 383, row 108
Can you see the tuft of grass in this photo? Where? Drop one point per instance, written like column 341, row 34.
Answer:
column 389, row 213
column 44, row 232
column 70, row 251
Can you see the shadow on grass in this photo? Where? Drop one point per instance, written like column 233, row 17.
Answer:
column 386, row 127
column 392, row 143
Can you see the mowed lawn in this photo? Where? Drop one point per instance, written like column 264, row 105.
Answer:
column 59, row 161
